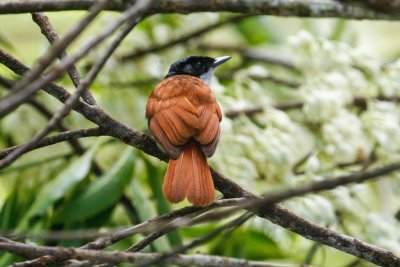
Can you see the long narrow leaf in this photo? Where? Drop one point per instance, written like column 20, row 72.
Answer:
column 59, row 186
column 101, row 194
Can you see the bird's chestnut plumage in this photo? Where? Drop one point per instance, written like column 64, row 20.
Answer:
column 183, row 116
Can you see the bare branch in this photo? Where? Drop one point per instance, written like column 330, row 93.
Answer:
column 48, row 31
column 298, row 8
column 48, row 114
column 26, row 250
column 19, row 96
column 153, row 236
column 59, row 235
column 359, row 102
column 230, row 226
column 183, row 39
column 161, row 223
column 258, row 109
column 15, row 7
column 387, row 6
column 57, row 138
column 82, row 87
column 134, row 11
column 267, row 77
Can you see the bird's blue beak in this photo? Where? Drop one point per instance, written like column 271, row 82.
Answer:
column 219, row 60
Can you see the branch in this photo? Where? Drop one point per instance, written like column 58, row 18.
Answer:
column 120, row 257
column 8, row 104
column 57, row 138
column 297, row 8
column 274, row 213
column 47, row 114
column 387, row 6
column 48, row 31
column 183, row 39
column 359, row 102
column 150, row 238
column 59, row 235
column 268, row 77
column 135, row 17
column 161, row 223
column 258, row 109
column 229, row 226
column 27, row 82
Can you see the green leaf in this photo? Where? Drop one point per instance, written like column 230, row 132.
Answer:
column 6, row 43
column 249, row 244
column 338, row 30
column 146, row 209
column 155, row 179
column 59, row 186
column 7, row 212
column 6, row 259
column 101, row 194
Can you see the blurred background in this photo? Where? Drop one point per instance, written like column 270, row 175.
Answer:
column 304, row 100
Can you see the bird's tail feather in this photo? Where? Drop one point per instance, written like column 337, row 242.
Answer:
column 189, row 176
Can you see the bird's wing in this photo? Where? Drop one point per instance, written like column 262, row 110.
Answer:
column 180, row 108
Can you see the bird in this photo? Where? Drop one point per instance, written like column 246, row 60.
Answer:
column 184, row 118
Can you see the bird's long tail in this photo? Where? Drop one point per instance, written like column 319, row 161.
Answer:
column 189, row 176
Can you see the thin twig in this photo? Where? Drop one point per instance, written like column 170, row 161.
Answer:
column 232, row 225
column 258, row 109
column 183, row 39
column 27, row 81
column 165, row 221
column 42, row 109
column 60, row 235
column 57, row 138
column 48, row 31
column 268, row 77
column 82, row 87
column 137, row 10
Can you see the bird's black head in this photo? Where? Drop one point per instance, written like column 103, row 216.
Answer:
column 198, row 66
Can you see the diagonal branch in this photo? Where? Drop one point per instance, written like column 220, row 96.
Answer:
column 359, row 102
column 82, row 87
column 161, row 223
column 183, row 39
column 48, row 114
column 8, row 104
column 48, row 31
column 230, row 226
column 19, row 96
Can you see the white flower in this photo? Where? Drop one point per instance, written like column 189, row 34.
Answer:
column 345, row 134
column 381, row 121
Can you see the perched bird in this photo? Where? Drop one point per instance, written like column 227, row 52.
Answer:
column 184, row 118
